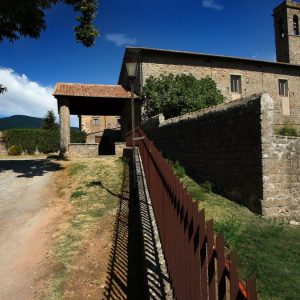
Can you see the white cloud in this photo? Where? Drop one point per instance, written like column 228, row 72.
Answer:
column 120, row 39
column 212, row 4
column 26, row 97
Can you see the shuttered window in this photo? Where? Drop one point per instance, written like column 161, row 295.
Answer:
column 236, row 84
column 283, row 87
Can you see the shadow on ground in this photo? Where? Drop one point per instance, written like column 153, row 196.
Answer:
column 133, row 251
column 125, row 279
column 30, row 167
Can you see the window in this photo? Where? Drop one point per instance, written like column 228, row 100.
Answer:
column 283, row 87
column 296, row 25
column 96, row 121
column 281, row 27
column 236, row 84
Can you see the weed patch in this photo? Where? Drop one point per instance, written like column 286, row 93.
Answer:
column 179, row 169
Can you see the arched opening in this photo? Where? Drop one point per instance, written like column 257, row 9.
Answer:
column 296, row 25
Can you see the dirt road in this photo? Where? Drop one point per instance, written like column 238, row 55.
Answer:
column 26, row 225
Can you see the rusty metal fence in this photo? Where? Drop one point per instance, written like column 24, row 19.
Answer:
column 194, row 255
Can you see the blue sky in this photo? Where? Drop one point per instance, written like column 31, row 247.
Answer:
column 237, row 28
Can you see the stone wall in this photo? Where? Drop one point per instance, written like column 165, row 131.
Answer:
column 83, row 150
column 119, row 149
column 281, row 172
column 233, row 145
column 222, row 145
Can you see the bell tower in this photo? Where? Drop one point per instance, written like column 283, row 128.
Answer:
column 287, row 35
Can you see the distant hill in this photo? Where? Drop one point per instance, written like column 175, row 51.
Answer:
column 19, row 121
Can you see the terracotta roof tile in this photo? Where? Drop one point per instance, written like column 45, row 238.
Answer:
column 91, row 90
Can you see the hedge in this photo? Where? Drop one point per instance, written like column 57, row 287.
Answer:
column 41, row 140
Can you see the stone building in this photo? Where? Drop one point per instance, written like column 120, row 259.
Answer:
column 95, row 126
column 237, row 77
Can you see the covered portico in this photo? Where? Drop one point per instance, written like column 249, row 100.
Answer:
column 93, row 99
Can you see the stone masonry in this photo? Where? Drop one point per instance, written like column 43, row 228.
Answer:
column 83, row 150
column 281, row 169
column 286, row 39
column 95, row 125
column 245, row 160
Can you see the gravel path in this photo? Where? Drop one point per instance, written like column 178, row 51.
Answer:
column 26, row 218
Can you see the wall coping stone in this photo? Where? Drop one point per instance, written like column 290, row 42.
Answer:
column 161, row 121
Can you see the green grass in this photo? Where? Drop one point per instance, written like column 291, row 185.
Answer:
column 77, row 194
column 95, row 186
column 76, row 168
column 270, row 249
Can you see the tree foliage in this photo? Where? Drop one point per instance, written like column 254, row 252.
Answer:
column 3, row 89
column 27, row 18
column 49, row 121
column 176, row 95
column 41, row 140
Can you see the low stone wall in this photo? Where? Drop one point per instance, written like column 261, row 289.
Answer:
column 83, row 150
column 119, row 148
column 233, row 145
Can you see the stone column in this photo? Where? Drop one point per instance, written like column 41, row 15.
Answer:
column 64, row 121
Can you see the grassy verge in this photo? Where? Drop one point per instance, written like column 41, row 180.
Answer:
column 92, row 187
column 270, row 249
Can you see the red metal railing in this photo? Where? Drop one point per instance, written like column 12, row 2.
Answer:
column 194, row 256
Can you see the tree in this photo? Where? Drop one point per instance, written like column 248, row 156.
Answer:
column 49, row 122
column 27, row 18
column 176, row 95
column 3, row 89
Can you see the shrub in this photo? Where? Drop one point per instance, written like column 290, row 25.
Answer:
column 288, row 130
column 14, row 150
column 31, row 140
column 78, row 136
column 48, row 141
